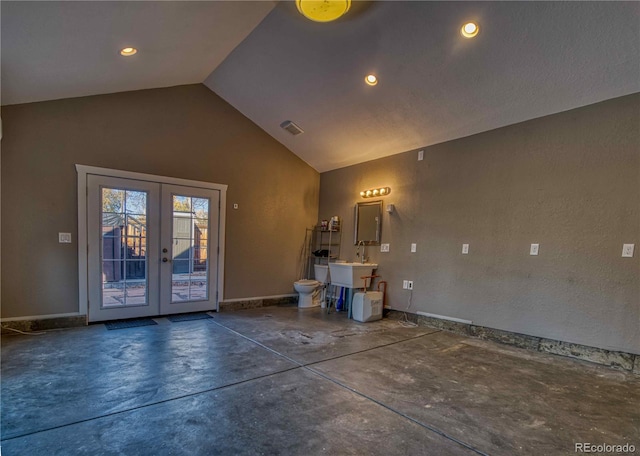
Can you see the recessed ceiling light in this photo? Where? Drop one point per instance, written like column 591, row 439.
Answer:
column 371, row 80
column 128, row 51
column 469, row 30
column 323, row 10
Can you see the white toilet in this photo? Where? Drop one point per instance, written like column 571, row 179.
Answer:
column 309, row 290
column 306, row 290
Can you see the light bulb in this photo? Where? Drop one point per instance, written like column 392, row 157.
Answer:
column 469, row 30
column 128, row 51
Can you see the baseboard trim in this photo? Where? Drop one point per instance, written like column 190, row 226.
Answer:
column 42, row 323
column 41, row 317
column 253, row 298
column 255, row 302
column 615, row 359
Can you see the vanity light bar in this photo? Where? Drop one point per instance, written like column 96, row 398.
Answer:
column 382, row 191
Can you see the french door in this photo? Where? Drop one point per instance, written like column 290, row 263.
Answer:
column 152, row 248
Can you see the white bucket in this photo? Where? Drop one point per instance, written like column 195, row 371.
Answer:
column 367, row 306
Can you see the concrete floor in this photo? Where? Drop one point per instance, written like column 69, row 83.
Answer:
column 279, row 380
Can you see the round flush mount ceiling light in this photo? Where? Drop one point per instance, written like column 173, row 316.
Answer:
column 128, row 51
column 371, row 79
column 469, row 30
column 323, row 10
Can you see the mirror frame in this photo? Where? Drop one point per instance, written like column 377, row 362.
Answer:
column 375, row 241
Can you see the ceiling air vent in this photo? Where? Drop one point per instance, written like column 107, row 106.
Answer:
column 291, row 127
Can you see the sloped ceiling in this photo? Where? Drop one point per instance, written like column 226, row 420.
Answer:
column 529, row 60
column 64, row 49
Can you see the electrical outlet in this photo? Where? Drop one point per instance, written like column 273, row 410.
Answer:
column 420, row 155
column 465, row 249
column 414, row 247
column 384, row 247
column 235, row 205
column 627, row 250
column 534, row 249
column 64, row 238
column 405, row 284
column 410, row 284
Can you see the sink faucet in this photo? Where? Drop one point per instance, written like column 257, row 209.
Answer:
column 363, row 258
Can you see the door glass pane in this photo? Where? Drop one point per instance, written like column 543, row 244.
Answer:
column 137, row 248
column 201, row 207
column 113, row 292
column 135, row 271
column 136, row 202
column 181, row 269
column 198, row 283
column 124, row 248
column 190, row 248
column 180, row 283
column 135, row 293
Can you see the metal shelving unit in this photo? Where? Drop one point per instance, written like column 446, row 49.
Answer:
column 323, row 239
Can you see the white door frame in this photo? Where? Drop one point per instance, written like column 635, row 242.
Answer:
column 83, row 266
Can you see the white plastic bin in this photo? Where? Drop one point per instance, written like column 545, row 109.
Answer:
column 367, row 306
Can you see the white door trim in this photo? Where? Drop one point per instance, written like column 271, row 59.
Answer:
column 83, row 267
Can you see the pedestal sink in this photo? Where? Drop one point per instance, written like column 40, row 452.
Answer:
column 349, row 274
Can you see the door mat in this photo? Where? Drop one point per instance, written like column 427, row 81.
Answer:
column 188, row 317
column 133, row 323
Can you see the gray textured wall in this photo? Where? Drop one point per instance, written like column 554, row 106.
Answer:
column 569, row 181
column 186, row 132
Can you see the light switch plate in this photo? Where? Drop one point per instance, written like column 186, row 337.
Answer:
column 384, row 247
column 414, row 247
column 64, row 238
column 534, row 249
column 420, row 155
column 627, row 250
column 465, row 249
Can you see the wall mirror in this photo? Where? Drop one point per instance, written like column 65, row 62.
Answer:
column 368, row 220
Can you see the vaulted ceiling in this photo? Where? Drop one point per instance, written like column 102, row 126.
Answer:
column 530, row 59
